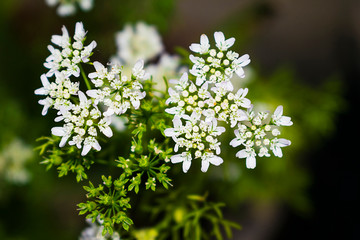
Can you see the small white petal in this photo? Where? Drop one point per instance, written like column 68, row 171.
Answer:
column 186, row 165
column 251, row 162
column 85, row 150
column 215, row 160
column 204, row 165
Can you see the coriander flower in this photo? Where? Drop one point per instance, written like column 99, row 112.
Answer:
column 258, row 134
column 67, row 59
column 208, row 158
column 95, row 230
column 57, row 93
column 203, row 47
column 280, row 120
column 221, row 43
column 67, row 7
column 139, row 42
column 82, row 124
column 115, row 90
column 185, row 158
column 216, row 66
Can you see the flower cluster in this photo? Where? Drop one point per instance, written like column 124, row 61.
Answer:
column 258, row 134
column 58, row 93
column 197, row 107
column 64, row 63
column 68, row 58
column 83, row 119
column 82, row 122
column 13, row 160
column 141, row 41
column 117, row 91
column 201, row 109
column 68, row 7
column 95, row 231
column 216, row 65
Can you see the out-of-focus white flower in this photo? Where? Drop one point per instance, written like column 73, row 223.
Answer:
column 139, row 42
column 168, row 66
column 68, row 7
column 94, row 232
column 13, row 160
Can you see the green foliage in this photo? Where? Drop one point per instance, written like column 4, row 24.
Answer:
column 108, row 202
column 66, row 159
column 190, row 217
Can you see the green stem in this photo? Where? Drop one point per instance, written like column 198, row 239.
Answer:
column 85, row 77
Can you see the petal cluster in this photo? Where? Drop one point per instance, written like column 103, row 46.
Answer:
column 116, row 91
column 259, row 135
column 197, row 111
column 82, row 113
column 218, row 64
column 68, row 54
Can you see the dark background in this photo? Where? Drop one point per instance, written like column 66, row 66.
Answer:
column 318, row 39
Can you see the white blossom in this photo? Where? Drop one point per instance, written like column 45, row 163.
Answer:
column 67, row 58
column 185, row 158
column 117, row 91
column 221, row 43
column 68, row 8
column 94, row 232
column 139, row 42
column 203, row 47
column 258, row 135
column 208, row 158
column 279, row 119
column 80, row 122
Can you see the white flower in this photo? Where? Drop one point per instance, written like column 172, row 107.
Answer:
column 240, row 139
column 177, row 130
column 14, row 157
column 94, row 232
column 276, row 145
column 46, row 86
column 62, row 40
column 279, row 119
column 139, row 42
column 221, row 43
column 201, row 48
column 138, row 70
column 79, row 32
column 67, row 59
column 64, row 132
column 250, row 155
column 101, row 71
column 67, row 8
column 240, row 98
column 208, row 158
column 90, row 142
column 185, row 158
column 239, row 63
column 86, row 5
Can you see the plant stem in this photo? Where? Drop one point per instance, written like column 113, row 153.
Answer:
column 85, row 77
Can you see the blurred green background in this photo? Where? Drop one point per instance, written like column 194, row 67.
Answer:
column 305, row 56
